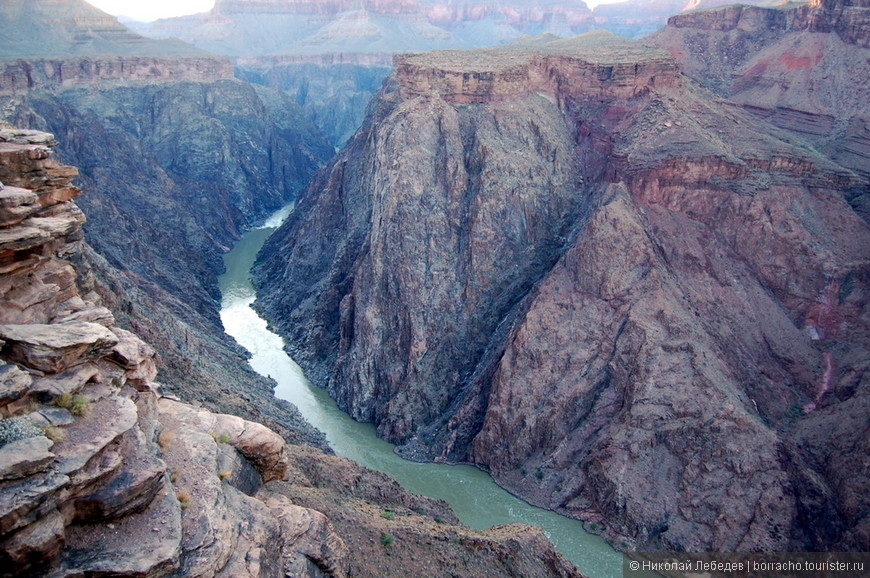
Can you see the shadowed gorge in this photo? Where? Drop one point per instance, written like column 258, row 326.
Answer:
column 568, row 263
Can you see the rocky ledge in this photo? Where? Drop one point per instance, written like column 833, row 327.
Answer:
column 598, row 63
column 101, row 475
column 18, row 76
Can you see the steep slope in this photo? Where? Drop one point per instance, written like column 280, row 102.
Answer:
column 101, row 475
column 804, row 69
column 631, row 301
column 181, row 159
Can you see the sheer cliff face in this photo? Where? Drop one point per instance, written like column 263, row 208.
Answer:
column 631, row 301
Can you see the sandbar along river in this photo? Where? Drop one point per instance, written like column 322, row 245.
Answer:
column 478, row 501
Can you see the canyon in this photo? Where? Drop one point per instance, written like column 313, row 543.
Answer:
column 103, row 473
column 632, row 299
column 629, row 279
column 104, row 469
column 180, row 159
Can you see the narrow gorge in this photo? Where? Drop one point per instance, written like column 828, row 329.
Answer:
column 104, row 473
column 630, row 299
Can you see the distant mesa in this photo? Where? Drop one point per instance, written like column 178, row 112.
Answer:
column 45, row 43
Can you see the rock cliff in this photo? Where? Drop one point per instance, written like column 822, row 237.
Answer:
column 333, row 90
column 629, row 299
column 101, row 474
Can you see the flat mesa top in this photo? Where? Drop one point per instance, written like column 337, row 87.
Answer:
column 597, row 47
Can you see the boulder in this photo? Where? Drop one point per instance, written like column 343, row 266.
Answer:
column 53, row 348
column 13, row 382
column 69, row 381
column 26, row 457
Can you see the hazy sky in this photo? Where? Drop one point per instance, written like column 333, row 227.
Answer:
column 153, row 9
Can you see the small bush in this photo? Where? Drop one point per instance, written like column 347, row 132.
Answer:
column 76, row 404
column 386, row 539
column 17, row 428
column 183, row 499
column 165, row 439
column 388, row 515
column 64, row 400
column 54, row 433
column 224, row 474
column 80, row 405
column 222, row 439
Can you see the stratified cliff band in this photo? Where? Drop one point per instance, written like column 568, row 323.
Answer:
column 631, row 300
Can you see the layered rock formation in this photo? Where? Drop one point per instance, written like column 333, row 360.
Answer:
column 629, row 299
column 305, row 27
column 638, row 18
column 46, row 43
column 100, row 474
column 779, row 67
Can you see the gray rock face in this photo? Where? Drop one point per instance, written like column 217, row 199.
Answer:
column 177, row 171
column 622, row 296
column 26, row 457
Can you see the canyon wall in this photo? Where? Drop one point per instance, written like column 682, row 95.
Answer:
column 22, row 75
column 178, row 171
column 630, row 300
column 803, row 69
column 333, row 90
column 102, row 473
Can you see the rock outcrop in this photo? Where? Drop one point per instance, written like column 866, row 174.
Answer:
column 101, row 474
column 629, row 299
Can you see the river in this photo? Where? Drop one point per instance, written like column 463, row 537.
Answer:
column 477, row 499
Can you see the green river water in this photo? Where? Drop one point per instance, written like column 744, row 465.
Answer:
column 478, row 501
